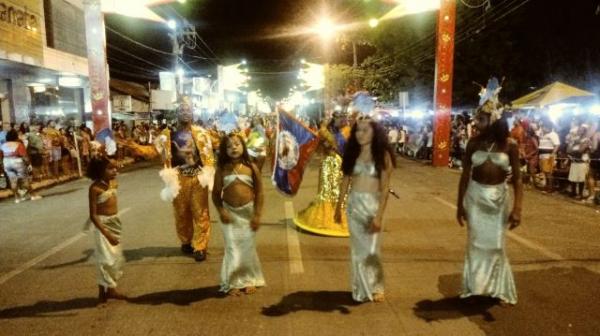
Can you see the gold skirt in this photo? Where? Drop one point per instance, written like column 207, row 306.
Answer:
column 318, row 216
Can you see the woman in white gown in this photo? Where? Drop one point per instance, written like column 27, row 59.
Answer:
column 484, row 201
column 367, row 166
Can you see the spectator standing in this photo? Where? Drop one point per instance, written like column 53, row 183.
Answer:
column 578, row 149
column 35, row 151
column 393, row 138
column 531, row 153
column 402, row 139
column 548, row 147
column 54, row 138
column 594, row 135
column 16, row 163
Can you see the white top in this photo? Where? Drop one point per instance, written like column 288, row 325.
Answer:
column 393, row 136
column 402, row 136
column 548, row 141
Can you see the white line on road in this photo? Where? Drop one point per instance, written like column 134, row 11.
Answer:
column 22, row 268
column 293, row 242
column 523, row 241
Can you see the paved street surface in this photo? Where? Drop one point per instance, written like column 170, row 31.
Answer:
column 47, row 279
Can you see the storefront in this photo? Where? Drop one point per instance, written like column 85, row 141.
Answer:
column 39, row 82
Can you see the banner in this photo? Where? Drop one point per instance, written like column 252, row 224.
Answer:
column 294, row 145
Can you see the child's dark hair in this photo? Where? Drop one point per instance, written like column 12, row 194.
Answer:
column 97, row 167
column 379, row 147
column 224, row 159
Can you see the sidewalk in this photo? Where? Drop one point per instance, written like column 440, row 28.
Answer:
column 45, row 184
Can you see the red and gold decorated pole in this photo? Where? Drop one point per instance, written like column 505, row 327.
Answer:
column 98, row 69
column 443, row 82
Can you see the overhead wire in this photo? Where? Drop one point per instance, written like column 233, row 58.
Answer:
column 110, row 46
column 494, row 19
column 466, row 31
column 463, row 28
column 138, row 43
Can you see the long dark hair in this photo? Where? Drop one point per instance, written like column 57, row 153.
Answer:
column 379, row 147
column 224, row 159
column 498, row 132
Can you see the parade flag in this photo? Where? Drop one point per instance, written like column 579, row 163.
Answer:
column 294, row 145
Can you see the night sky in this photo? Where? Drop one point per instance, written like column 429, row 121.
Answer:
column 541, row 41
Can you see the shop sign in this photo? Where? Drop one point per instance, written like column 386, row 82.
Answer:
column 19, row 17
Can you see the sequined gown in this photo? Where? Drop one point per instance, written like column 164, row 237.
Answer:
column 487, row 271
column 318, row 216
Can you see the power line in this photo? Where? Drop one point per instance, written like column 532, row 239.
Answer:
column 495, row 19
column 134, row 75
column 416, row 44
column 466, row 31
column 138, row 43
column 112, row 59
column 136, row 57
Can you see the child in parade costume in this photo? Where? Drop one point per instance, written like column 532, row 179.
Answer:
column 484, row 202
column 238, row 196
column 188, row 175
column 107, row 227
column 367, row 166
column 318, row 216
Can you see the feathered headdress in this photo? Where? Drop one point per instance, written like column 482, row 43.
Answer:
column 489, row 102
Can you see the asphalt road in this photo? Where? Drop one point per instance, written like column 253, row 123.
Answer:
column 47, row 277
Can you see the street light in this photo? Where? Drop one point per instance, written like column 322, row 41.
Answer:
column 325, row 28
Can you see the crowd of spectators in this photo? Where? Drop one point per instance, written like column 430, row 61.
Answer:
column 556, row 155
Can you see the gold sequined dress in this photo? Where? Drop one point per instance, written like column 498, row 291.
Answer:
column 318, row 216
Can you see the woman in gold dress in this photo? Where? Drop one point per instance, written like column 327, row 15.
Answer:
column 318, row 216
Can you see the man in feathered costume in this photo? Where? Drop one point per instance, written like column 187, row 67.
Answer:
column 188, row 175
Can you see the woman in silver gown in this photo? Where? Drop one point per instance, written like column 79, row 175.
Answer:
column 367, row 166
column 484, row 201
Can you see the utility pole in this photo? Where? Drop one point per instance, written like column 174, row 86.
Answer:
column 183, row 35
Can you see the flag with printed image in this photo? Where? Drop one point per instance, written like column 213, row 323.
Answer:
column 294, row 145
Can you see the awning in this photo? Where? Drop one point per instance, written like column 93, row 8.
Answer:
column 551, row 94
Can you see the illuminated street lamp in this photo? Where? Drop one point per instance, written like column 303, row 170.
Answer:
column 325, row 28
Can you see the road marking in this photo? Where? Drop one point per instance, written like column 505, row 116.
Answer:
column 24, row 267
column 293, row 242
column 523, row 241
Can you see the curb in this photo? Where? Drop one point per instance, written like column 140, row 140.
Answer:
column 4, row 194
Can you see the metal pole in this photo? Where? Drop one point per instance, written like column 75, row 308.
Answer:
column 355, row 64
column 443, row 82
column 78, row 155
column 176, row 52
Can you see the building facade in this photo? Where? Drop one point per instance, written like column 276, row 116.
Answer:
column 43, row 61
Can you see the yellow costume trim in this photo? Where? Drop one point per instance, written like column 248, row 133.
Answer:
column 318, row 216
